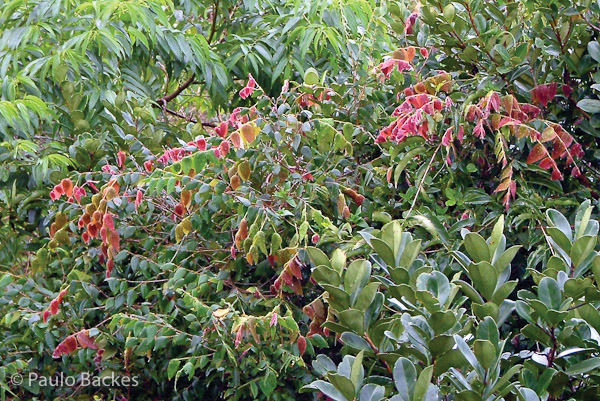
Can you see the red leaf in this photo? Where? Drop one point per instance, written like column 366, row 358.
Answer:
column 503, row 186
column 461, row 134
column 544, row 93
column 68, row 345
column 556, row 174
column 239, row 336
column 301, row 345
column 548, row 134
column 221, row 130
column 537, row 153
column 236, row 139
column 121, row 159
column 294, row 268
column 224, row 147
column 296, row 286
column 447, row 138
column 108, row 221
column 558, row 150
column 67, row 186
column 54, row 307
column 138, row 198
column 85, row 340
column 547, row 163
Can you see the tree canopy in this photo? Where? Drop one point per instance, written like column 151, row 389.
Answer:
column 300, row 200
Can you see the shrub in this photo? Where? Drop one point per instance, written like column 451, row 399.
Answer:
column 283, row 200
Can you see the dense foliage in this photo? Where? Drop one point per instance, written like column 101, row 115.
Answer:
column 284, row 200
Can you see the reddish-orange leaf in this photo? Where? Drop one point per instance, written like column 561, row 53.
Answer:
column 85, row 340
column 68, row 345
column 236, row 139
column 67, row 186
column 294, row 268
column 547, row 163
column 301, row 345
column 537, row 153
column 558, row 150
column 548, row 134
column 503, row 186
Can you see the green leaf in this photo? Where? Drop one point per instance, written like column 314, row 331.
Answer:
column 589, row 105
column 590, row 315
column 582, row 248
column 558, row 220
column 405, row 378
column 501, row 383
column 391, row 234
column 356, row 277
column 357, row 372
column 435, row 283
column 496, row 234
column 560, row 238
column 410, row 253
column 451, row 359
column 326, row 388
column 485, row 352
column 355, row 341
column 481, row 311
column 441, row 322
column 372, row 312
column 383, row 250
column 268, row 383
column 582, row 218
column 433, row 226
column 440, row 345
column 488, row 330
column 317, row 256
column 505, row 258
column 311, row 76
column 343, row 384
column 365, row 297
column 503, row 291
column 470, row 292
column 354, row 320
column 325, row 275
column 477, row 248
column 423, row 383
column 549, row 293
column 594, row 50
column 338, row 298
column 536, row 333
column 338, row 260
column 371, row 392
column 484, row 278
column 172, row 368
column 410, row 155
column 469, row 356
column 5, row 280
column 583, row 366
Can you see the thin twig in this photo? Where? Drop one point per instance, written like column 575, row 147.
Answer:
column 162, row 102
column 190, row 119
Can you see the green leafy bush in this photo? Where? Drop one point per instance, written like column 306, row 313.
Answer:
column 298, row 200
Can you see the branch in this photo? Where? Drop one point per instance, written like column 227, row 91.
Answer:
column 173, row 112
column 587, row 21
column 213, row 27
column 162, row 102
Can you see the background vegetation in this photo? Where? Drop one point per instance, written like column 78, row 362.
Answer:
column 289, row 200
